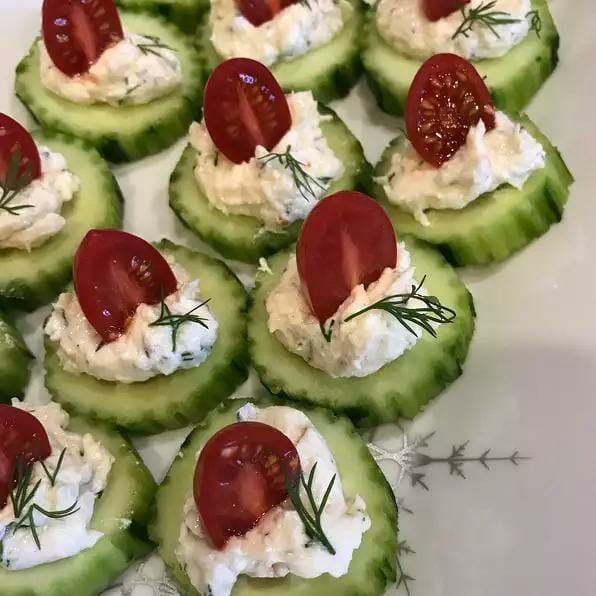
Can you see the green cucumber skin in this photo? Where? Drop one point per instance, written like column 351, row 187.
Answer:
column 329, row 71
column 484, row 231
column 15, row 359
column 373, row 566
column 185, row 397
column 123, row 133
column 242, row 238
column 185, row 14
column 29, row 280
column 128, row 495
column 389, row 73
column 403, row 387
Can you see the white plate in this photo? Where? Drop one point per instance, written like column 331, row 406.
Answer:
column 529, row 383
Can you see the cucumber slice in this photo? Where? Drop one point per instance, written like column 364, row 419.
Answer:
column 329, row 71
column 15, row 359
column 127, row 497
column 167, row 402
column 497, row 224
column 31, row 279
column 122, row 133
column 373, row 565
column 399, row 389
column 241, row 237
column 186, row 14
column 512, row 79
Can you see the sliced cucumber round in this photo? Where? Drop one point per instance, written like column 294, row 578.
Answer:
column 121, row 514
column 512, row 79
column 329, row 71
column 166, row 402
column 15, row 359
column 30, row 279
column 186, row 14
column 373, row 565
column 242, row 237
column 497, row 224
column 128, row 132
column 399, row 389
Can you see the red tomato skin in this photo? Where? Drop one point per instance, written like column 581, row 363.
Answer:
column 244, row 106
column 439, row 9
column 240, row 476
column 77, row 32
column 346, row 240
column 13, row 137
column 428, row 104
column 21, row 436
column 258, row 12
column 115, row 272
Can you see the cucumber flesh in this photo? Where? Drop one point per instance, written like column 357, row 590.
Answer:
column 513, row 79
column 329, row 71
column 31, row 279
column 167, row 402
column 497, row 224
column 241, row 237
column 15, row 359
column 122, row 133
column 185, row 14
column 373, row 565
column 127, row 496
column 401, row 388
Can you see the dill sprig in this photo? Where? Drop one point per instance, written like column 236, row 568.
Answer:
column 311, row 521
column 302, row 179
column 53, row 476
column 535, row 22
column 168, row 319
column 483, row 15
column 14, row 183
column 327, row 333
column 153, row 47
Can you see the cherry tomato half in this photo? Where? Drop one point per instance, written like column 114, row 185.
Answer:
column 17, row 143
column 114, row 272
column 241, row 474
column 438, row 9
column 244, row 107
column 258, row 12
column 346, row 240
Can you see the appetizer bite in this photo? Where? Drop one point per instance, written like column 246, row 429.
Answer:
column 149, row 338
column 278, row 500
column 54, row 189
column 310, row 45
column 356, row 320
column 15, row 359
column 513, row 44
column 74, row 499
column 128, row 82
column 259, row 161
column 467, row 178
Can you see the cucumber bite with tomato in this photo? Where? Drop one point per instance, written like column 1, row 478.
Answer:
column 357, row 320
column 513, row 44
column 309, row 45
column 276, row 500
column 74, row 502
column 128, row 82
column 259, row 161
column 468, row 178
column 54, row 188
column 150, row 338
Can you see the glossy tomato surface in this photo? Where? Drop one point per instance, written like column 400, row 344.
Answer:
column 439, row 9
column 258, row 12
column 19, row 157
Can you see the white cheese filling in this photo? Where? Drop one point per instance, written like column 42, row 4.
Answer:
column 82, row 475
column 507, row 154
column 265, row 188
column 403, row 25
column 295, row 30
column 278, row 545
column 34, row 214
column 136, row 70
column 358, row 347
column 143, row 351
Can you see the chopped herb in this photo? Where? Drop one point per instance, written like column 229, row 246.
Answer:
column 14, row 183
column 327, row 332
column 485, row 16
column 216, row 158
column 28, row 520
column 52, row 477
column 535, row 22
column 154, row 45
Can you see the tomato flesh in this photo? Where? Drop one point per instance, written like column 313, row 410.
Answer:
column 23, row 441
column 77, row 32
column 115, row 272
column 439, row 9
column 241, row 475
column 17, row 143
column 446, row 98
column 258, row 12
column 244, row 107
column 346, row 240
